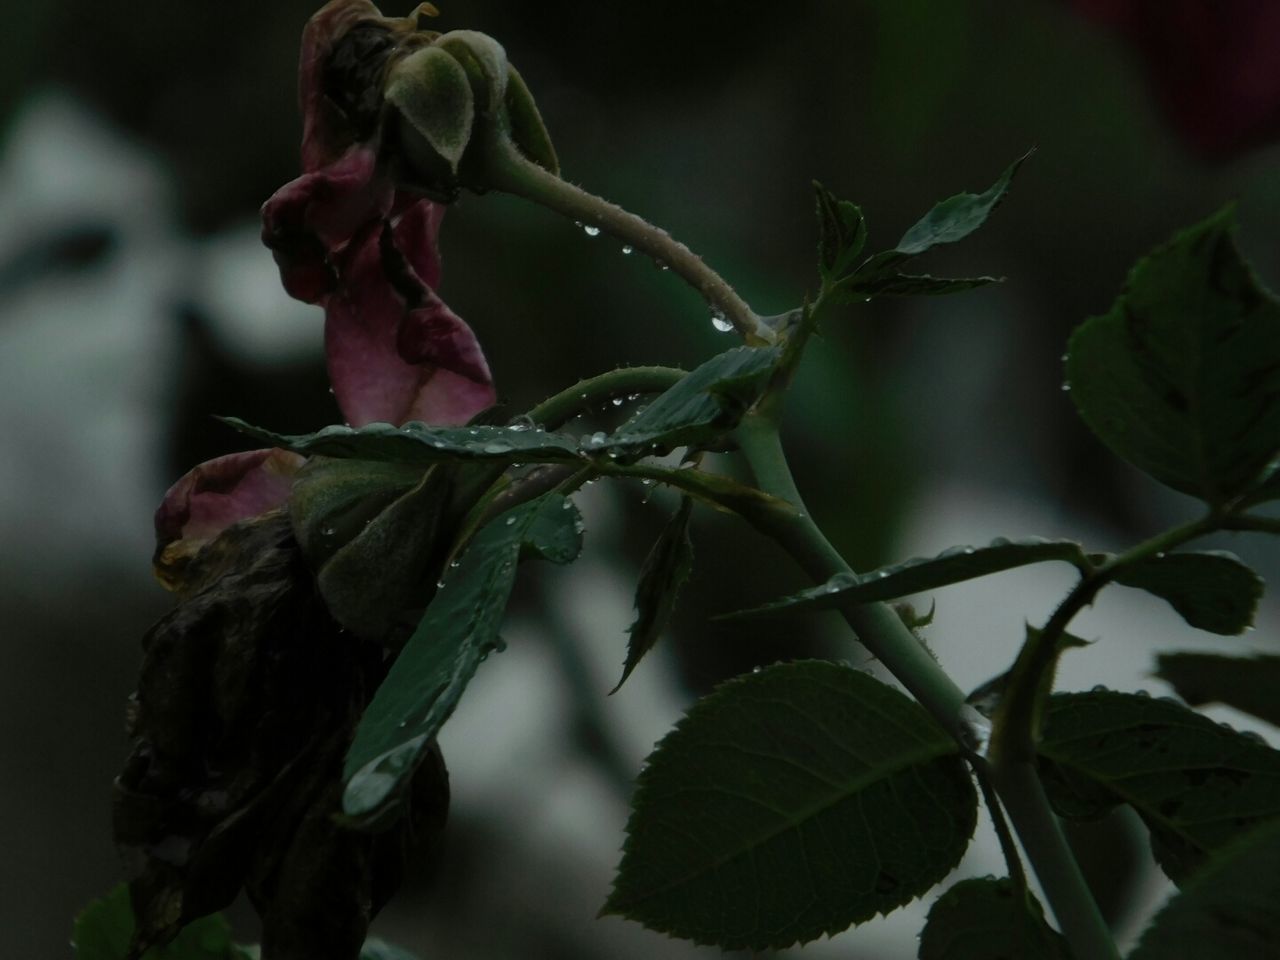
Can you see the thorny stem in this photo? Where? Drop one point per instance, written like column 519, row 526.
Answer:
column 1013, row 740
column 1010, row 849
column 510, row 171
column 883, row 633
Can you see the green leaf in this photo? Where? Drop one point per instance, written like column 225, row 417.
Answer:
column 956, row 217
column 665, row 570
column 104, row 930
column 458, row 631
column 708, row 402
column 892, row 284
column 923, row 573
column 1250, row 684
column 1196, row 784
column 989, row 919
column 375, row 949
column 1182, row 376
column 1212, row 590
column 842, row 234
column 419, row 443
column 789, row 804
column 1230, row 910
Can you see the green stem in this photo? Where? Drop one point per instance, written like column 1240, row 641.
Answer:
column 1046, row 847
column 1253, row 523
column 878, row 627
column 592, row 392
column 996, row 809
column 508, row 170
column 882, row 632
column 1015, row 735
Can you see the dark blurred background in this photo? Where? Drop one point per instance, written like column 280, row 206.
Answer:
column 137, row 142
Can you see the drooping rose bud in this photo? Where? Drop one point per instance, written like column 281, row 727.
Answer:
column 451, row 99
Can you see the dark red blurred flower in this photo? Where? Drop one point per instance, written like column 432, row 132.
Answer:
column 1215, row 65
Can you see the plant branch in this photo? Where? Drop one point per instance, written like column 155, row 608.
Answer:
column 1046, row 846
column 1255, row 524
column 508, row 170
column 1014, row 738
column 883, row 633
column 587, row 394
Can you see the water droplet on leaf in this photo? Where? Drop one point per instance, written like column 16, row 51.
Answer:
column 591, row 231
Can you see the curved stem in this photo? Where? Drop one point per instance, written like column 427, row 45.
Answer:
column 882, row 632
column 1040, row 833
column 508, row 170
column 589, row 393
column 878, row 627
column 1014, row 738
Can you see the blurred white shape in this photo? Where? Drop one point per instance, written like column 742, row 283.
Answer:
column 84, row 355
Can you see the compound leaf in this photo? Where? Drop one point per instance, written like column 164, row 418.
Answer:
column 1182, row 376
column 789, row 804
column 1197, row 785
column 457, row 632
column 1211, row 589
column 989, row 919
column 953, row 565
column 1250, row 684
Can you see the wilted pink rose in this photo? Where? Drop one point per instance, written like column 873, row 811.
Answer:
column 1215, row 65
column 212, row 497
column 347, row 237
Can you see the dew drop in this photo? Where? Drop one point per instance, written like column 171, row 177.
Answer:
column 510, row 521
column 970, row 550
column 1142, row 693
column 1098, row 688
column 1066, row 388
column 720, row 322
column 627, row 250
column 617, row 401
column 882, row 574
column 590, row 230
column 1160, row 555
column 327, row 532
column 756, row 669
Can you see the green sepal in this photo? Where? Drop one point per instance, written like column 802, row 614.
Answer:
column 527, row 130
column 376, row 561
column 432, row 95
column 485, row 63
